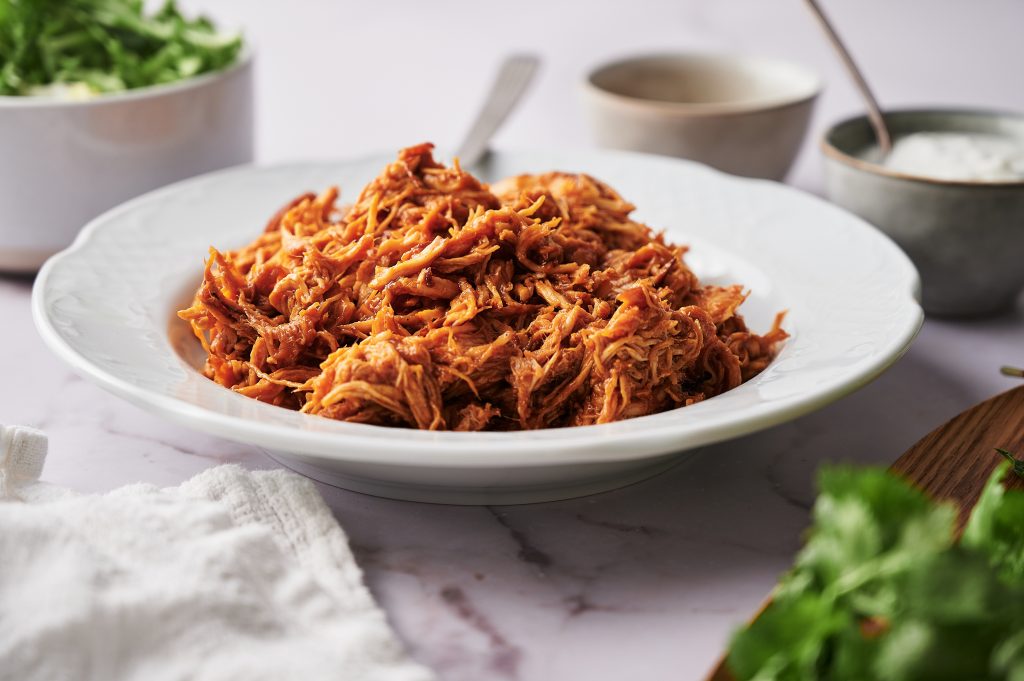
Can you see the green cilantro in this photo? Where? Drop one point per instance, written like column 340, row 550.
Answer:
column 996, row 529
column 881, row 591
column 104, row 45
column 1018, row 464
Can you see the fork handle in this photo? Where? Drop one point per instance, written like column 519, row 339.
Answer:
column 516, row 73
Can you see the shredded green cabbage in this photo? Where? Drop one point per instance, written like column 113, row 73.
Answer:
column 104, row 45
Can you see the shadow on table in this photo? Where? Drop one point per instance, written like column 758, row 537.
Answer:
column 17, row 278
column 872, row 426
column 705, row 539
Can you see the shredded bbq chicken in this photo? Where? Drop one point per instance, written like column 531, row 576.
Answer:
column 436, row 302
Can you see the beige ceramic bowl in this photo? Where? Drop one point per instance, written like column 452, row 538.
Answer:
column 743, row 115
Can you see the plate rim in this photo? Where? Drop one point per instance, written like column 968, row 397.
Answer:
column 575, row 445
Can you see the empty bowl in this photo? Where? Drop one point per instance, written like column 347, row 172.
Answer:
column 965, row 236
column 743, row 115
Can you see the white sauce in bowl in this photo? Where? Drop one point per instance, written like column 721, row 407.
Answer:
column 958, row 156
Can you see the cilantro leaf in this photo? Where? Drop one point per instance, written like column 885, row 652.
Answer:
column 1018, row 464
column 787, row 640
column 996, row 527
column 881, row 591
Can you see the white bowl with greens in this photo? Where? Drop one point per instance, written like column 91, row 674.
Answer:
column 101, row 101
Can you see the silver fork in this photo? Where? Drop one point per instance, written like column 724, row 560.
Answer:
column 515, row 75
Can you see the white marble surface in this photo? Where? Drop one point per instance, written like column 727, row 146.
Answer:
column 645, row 582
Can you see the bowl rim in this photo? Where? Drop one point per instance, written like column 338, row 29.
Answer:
column 708, row 109
column 831, row 151
column 244, row 60
column 375, row 444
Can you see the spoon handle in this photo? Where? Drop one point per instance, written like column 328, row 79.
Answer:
column 874, row 113
column 515, row 74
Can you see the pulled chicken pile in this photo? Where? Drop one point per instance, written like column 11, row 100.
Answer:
column 437, row 302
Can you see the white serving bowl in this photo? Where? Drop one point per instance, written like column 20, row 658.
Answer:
column 107, row 307
column 64, row 162
column 742, row 115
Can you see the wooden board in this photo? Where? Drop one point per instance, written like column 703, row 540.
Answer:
column 954, row 461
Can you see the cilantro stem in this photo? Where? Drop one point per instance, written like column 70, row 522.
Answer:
column 1018, row 464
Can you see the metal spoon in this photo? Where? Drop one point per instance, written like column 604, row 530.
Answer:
column 874, row 113
column 515, row 74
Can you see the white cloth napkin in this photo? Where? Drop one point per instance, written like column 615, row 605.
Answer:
column 232, row 575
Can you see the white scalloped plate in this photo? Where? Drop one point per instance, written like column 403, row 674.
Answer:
column 106, row 306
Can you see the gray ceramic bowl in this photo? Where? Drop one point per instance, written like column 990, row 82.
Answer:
column 743, row 115
column 966, row 237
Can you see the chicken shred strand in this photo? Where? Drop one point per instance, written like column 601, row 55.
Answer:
column 437, row 302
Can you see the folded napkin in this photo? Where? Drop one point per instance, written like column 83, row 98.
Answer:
column 232, row 575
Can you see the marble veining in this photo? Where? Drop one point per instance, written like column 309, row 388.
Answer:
column 650, row 578
column 640, row 583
